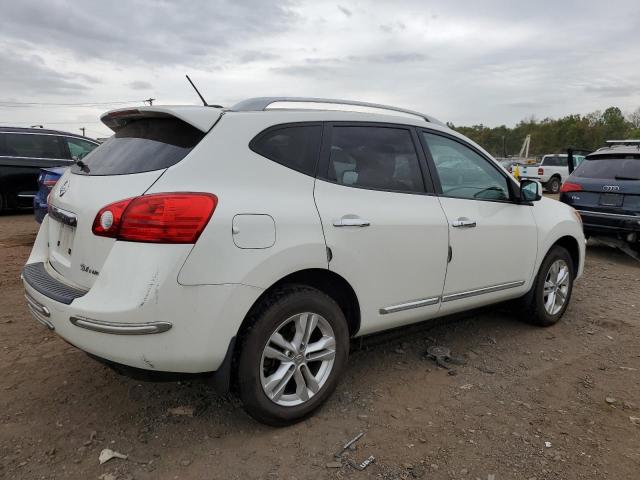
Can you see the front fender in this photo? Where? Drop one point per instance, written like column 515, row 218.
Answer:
column 556, row 220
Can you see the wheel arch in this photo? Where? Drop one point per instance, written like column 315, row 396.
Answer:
column 324, row 280
column 572, row 246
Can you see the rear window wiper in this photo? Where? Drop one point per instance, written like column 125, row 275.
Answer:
column 83, row 166
column 622, row 177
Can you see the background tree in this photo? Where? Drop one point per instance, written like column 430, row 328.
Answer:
column 556, row 135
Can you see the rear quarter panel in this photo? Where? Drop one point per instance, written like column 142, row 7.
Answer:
column 247, row 183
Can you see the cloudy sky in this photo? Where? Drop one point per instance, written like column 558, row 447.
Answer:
column 467, row 62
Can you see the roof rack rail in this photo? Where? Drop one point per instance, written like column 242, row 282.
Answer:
column 262, row 103
column 623, row 142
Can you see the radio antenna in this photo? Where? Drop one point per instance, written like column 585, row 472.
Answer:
column 204, row 102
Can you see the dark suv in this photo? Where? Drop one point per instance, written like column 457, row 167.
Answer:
column 24, row 151
column 605, row 189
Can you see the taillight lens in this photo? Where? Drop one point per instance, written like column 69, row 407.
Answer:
column 570, row 187
column 157, row 218
column 540, row 171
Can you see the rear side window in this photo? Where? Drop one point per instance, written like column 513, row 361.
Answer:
column 296, row 147
column 142, row 146
column 607, row 168
column 79, row 148
column 555, row 161
column 380, row 158
column 32, row 146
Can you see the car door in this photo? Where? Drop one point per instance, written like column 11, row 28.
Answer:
column 384, row 228
column 493, row 239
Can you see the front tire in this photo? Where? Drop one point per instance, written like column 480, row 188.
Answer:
column 549, row 298
column 292, row 355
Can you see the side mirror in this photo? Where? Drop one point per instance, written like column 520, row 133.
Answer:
column 530, row 191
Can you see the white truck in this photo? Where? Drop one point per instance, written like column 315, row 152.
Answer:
column 551, row 171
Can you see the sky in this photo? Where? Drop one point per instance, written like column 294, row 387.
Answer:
column 467, row 62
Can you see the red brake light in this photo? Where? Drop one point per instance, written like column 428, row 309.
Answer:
column 157, row 218
column 540, row 171
column 570, row 187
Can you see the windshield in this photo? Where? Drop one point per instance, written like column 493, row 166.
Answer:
column 141, row 146
column 606, row 168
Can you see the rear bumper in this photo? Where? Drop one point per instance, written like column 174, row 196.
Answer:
column 602, row 223
column 189, row 333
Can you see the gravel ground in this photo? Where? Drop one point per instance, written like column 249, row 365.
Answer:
column 529, row 403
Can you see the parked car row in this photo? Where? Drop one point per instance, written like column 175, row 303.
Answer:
column 24, row 152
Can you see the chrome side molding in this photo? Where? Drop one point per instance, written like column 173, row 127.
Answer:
column 424, row 302
column 481, row 291
column 117, row 328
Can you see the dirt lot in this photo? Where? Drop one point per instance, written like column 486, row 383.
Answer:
column 574, row 385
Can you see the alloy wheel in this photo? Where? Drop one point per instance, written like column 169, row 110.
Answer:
column 556, row 287
column 298, row 358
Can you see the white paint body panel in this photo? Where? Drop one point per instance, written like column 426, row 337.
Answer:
column 401, row 257
column 500, row 249
column 284, row 222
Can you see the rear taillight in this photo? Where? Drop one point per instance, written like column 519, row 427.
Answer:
column 540, row 171
column 157, row 218
column 49, row 183
column 570, row 187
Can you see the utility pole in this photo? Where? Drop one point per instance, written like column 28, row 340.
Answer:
column 150, row 100
column 82, row 128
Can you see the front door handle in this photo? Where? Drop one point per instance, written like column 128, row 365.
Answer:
column 463, row 222
column 348, row 221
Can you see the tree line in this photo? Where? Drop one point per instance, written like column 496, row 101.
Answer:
column 556, row 135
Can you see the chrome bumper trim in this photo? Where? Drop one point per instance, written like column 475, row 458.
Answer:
column 409, row 305
column 121, row 328
column 612, row 215
column 481, row 291
column 39, row 312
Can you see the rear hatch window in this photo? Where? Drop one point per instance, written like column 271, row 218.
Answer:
column 610, row 168
column 142, row 145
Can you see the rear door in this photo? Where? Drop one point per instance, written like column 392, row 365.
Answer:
column 386, row 232
column 493, row 240
column 124, row 166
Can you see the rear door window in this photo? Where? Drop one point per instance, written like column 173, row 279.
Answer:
column 379, row 158
column 607, row 168
column 30, row 145
column 142, row 146
column 294, row 146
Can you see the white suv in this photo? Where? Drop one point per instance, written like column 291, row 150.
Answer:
column 256, row 241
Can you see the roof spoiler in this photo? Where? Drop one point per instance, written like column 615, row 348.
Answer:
column 202, row 118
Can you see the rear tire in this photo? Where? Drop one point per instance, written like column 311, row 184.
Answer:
column 291, row 355
column 554, row 185
column 550, row 295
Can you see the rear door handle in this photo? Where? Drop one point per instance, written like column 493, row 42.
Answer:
column 463, row 222
column 351, row 222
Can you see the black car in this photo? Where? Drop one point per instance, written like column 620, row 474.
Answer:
column 605, row 189
column 24, row 151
